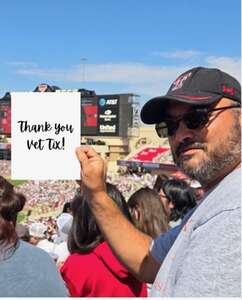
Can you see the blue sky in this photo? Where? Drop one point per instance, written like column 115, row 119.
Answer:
column 136, row 46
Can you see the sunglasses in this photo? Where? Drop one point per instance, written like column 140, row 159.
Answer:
column 193, row 119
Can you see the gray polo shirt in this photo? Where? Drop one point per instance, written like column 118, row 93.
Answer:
column 205, row 260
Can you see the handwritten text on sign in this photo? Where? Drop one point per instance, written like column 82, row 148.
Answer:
column 50, row 143
column 45, row 133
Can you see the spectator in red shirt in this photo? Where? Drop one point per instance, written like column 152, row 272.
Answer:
column 92, row 270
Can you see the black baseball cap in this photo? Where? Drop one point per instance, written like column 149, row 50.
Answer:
column 198, row 86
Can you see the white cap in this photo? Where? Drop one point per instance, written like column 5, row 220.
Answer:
column 64, row 222
column 37, row 230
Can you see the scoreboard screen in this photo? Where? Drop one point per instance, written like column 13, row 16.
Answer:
column 108, row 116
column 5, row 118
column 100, row 116
column 89, row 116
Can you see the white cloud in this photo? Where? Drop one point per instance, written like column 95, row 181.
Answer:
column 143, row 79
column 227, row 64
column 180, row 54
column 51, row 74
column 22, row 64
column 127, row 73
column 139, row 78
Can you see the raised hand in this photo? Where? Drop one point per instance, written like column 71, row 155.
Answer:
column 93, row 169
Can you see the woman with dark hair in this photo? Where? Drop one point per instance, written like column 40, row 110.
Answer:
column 23, row 267
column 177, row 198
column 92, row 270
column 148, row 213
column 179, row 201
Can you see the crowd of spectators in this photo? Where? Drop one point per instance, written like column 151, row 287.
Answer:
column 5, row 167
column 44, row 197
column 74, row 238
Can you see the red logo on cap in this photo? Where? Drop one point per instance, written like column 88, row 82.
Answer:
column 228, row 90
column 178, row 83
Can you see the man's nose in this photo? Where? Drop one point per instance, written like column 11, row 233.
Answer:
column 182, row 133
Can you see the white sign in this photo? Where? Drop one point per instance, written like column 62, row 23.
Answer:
column 45, row 132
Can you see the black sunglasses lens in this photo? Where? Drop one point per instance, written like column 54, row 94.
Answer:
column 193, row 120
column 167, row 128
column 172, row 127
column 161, row 129
column 196, row 119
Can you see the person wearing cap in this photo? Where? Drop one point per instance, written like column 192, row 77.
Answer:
column 200, row 114
column 64, row 223
column 38, row 238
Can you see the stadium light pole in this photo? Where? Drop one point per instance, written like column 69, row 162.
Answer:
column 83, row 66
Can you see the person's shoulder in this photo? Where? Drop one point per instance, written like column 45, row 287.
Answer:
column 232, row 180
column 32, row 252
column 92, row 259
column 25, row 246
column 226, row 196
column 226, row 223
column 82, row 259
column 84, row 262
column 40, row 271
column 222, row 231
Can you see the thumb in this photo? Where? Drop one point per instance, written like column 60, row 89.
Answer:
column 82, row 157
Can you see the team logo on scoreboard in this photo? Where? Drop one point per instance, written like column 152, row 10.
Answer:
column 42, row 87
column 102, row 101
column 108, row 112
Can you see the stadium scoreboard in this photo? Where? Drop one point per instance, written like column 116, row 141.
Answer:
column 101, row 115
column 5, row 117
column 106, row 115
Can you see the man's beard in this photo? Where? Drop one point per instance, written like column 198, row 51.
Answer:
column 223, row 155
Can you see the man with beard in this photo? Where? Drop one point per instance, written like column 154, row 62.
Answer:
column 200, row 114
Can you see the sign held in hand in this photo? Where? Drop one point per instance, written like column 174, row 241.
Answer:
column 45, row 133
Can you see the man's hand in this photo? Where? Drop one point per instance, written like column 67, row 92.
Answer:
column 93, row 169
column 129, row 244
